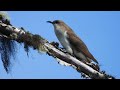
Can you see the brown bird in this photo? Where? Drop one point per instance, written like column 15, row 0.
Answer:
column 71, row 42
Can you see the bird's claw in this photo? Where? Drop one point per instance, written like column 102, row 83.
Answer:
column 56, row 44
column 94, row 66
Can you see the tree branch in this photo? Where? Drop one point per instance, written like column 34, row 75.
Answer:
column 18, row 33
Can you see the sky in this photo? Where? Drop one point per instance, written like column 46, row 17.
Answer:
column 100, row 31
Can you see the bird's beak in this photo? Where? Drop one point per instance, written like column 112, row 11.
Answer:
column 50, row 22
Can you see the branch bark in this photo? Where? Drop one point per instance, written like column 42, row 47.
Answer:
column 56, row 53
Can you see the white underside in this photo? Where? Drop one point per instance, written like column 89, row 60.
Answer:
column 79, row 55
column 62, row 37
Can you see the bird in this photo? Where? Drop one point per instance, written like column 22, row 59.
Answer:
column 72, row 43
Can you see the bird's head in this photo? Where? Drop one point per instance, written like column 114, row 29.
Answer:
column 58, row 24
column 55, row 22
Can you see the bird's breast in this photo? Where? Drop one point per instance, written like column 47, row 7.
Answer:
column 62, row 37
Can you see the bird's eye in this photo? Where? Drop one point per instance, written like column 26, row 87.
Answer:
column 56, row 22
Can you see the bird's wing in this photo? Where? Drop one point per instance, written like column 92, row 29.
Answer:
column 79, row 45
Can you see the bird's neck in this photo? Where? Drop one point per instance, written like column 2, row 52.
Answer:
column 59, row 32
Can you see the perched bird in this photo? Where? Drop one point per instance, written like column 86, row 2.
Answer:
column 72, row 43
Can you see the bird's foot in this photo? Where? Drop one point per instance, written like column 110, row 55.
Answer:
column 94, row 66
column 63, row 50
column 55, row 44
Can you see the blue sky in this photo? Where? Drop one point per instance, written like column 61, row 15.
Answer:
column 100, row 30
